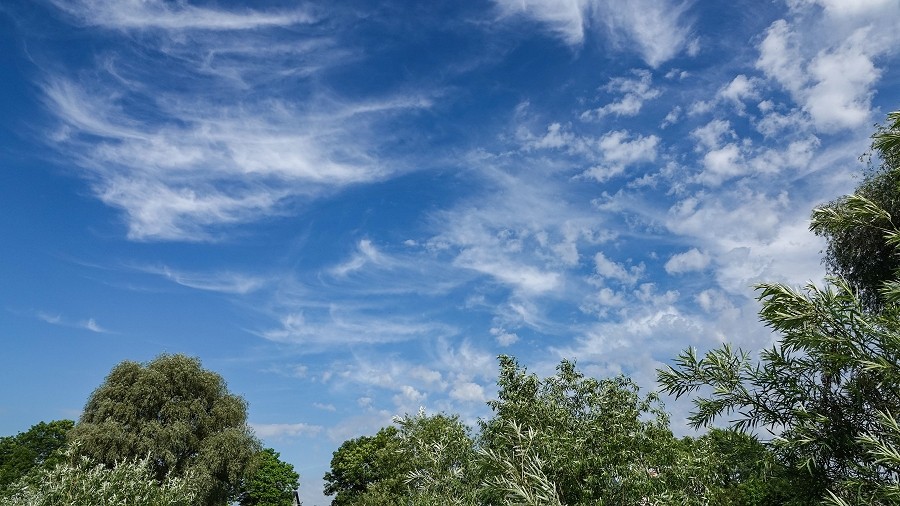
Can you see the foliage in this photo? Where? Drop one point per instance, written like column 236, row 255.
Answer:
column 272, row 483
column 177, row 413
column 830, row 387
column 858, row 251
column 442, row 458
column 594, row 440
column 420, row 460
column 366, row 462
column 563, row 440
column 83, row 482
column 38, row 447
column 519, row 475
column 737, row 469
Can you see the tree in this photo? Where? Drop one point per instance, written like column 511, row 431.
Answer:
column 829, row 389
column 573, row 440
column 820, row 389
column 858, row 252
column 40, row 446
column 177, row 413
column 81, row 481
column 421, row 460
column 367, row 464
column 442, row 457
column 273, row 482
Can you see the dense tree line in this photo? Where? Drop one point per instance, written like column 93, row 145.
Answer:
column 828, row 390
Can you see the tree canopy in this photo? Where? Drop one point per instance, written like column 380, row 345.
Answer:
column 563, row 440
column 41, row 446
column 179, row 414
column 272, row 483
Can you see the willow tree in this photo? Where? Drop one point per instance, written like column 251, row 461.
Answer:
column 180, row 415
column 829, row 389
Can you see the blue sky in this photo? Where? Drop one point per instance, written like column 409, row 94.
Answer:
column 350, row 210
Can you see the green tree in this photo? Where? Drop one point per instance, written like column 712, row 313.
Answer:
column 574, row 440
column 41, row 446
column 830, row 387
column 368, row 465
column 179, row 414
column 442, row 457
column 421, row 460
column 273, row 482
column 820, row 388
column 858, row 252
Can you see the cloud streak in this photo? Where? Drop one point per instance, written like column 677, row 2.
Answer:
column 157, row 14
column 89, row 324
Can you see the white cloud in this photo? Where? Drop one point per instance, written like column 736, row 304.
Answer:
column 609, row 269
column 468, row 392
column 779, row 56
column 223, row 282
column 826, row 61
column 409, row 397
column 157, row 14
column 722, row 164
column 57, row 319
column 654, row 28
column 634, row 93
column 839, row 8
column 503, row 337
column 366, row 253
column 841, row 95
column 522, row 277
column 199, row 162
column 774, row 123
column 711, row 134
column 342, row 326
column 689, row 261
column 739, row 90
column 565, row 17
column 279, row 430
column 93, row 326
column 618, row 151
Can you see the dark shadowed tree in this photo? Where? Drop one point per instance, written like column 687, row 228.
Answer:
column 41, row 446
column 856, row 251
column 180, row 415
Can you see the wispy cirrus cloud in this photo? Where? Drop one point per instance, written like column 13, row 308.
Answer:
column 341, row 326
column 89, row 324
column 223, row 282
column 157, row 14
column 204, row 165
column 657, row 29
column 225, row 146
column 282, row 430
